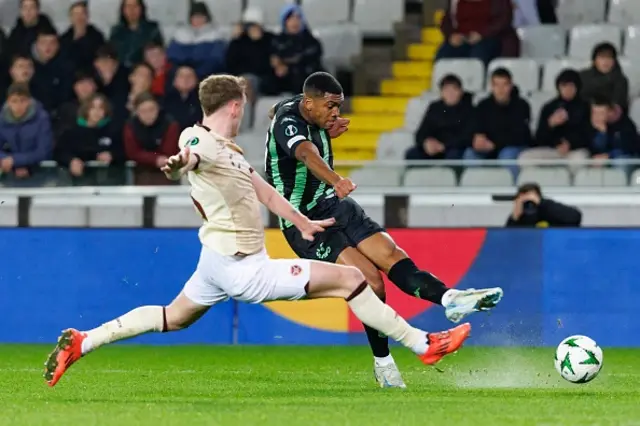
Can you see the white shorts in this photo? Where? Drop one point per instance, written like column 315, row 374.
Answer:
column 253, row 279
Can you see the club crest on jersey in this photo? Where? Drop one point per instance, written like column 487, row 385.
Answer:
column 295, row 270
column 291, row 130
column 193, row 141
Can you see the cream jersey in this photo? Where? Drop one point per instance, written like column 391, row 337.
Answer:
column 223, row 193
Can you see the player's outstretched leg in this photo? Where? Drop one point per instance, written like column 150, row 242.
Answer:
column 329, row 280
column 73, row 344
column 404, row 273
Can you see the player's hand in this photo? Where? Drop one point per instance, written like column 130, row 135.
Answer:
column 339, row 127
column 344, row 187
column 312, row 227
column 176, row 163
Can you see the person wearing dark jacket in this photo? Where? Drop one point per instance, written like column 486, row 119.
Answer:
column 181, row 101
column 134, row 32
column 605, row 77
column 447, row 127
column 479, row 29
column 502, row 123
column 610, row 141
column 84, row 87
column 531, row 209
column 562, row 125
column 296, row 52
column 82, row 40
column 150, row 137
column 93, row 138
column 53, row 78
column 113, row 80
column 26, row 29
column 25, row 135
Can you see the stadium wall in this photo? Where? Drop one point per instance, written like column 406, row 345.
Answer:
column 556, row 282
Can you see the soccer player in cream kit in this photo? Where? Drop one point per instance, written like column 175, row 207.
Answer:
column 233, row 262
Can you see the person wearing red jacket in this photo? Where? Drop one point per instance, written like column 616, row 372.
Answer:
column 150, row 137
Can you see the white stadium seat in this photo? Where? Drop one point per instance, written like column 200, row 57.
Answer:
column 595, row 177
column 485, row 176
column 543, row 41
column 525, row 73
column 326, row 12
column 545, row 176
column 172, row 12
column 271, row 10
column 470, row 71
column 624, row 12
column 377, row 176
column 576, row 12
column 537, row 101
column 225, row 13
column 394, row 145
column 429, row 177
column 377, row 17
column 583, row 38
column 340, row 44
column 261, row 120
column 553, row 67
column 416, row 108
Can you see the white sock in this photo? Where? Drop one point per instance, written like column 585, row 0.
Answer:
column 134, row 323
column 448, row 295
column 384, row 361
column 370, row 310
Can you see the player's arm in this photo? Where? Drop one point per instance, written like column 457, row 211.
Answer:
column 190, row 158
column 279, row 206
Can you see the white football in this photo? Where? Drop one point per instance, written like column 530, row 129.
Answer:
column 578, row 359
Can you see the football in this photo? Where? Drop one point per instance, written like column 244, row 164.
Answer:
column 578, row 359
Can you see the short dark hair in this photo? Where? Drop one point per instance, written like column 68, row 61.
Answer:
column 600, row 99
column 153, row 45
column 46, row 31
column 319, row 83
column 605, row 48
column 20, row 57
column 85, row 106
column 143, row 64
column 450, row 79
column 107, row 51
column 19, row 89
column 81, row 3
column 144, row 97
column 501, row 72
column 528, row 187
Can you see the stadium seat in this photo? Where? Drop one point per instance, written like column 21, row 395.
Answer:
column 470, row 71
column 545, row 176
column 583, row 38
column 543, row 41
column 553, row 67
column 104, row 14
column 479, row 96
column 225, row 13
column 430, row 177
column 486, row 176
column 631, row 68
column 576, row 12
column 326, row 12
column 634, row 112
column 377, row 17
column 262, row 121
column 377, row 176
column 8, row 14
column 635, row 178
column 595, row 177
column 393, row 145
column 58, row 11
column 168, row 13
column 340, row 44
column 624, row 12
column 9, row 210
column 271, row 10
column 253, row 144
column 537, row 101
column 525, row 72
column 416, row 108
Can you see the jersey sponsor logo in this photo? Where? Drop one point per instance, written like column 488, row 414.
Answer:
column 322, row 252
column 193, row 141
column 295, row 270
column 291, row 130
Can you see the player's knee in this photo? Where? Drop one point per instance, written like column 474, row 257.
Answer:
column 177, row 319
column 353, row 277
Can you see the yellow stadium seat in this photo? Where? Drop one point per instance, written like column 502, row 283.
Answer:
column 422, row 52
column 404, row 87
column 432, row 35
column 379, row 105
column 375, row 122
column 412, row 69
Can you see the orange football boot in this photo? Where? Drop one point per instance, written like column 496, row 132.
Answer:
column 67, row 351
column 445, row 343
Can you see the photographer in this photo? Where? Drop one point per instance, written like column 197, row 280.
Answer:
column 531, row 209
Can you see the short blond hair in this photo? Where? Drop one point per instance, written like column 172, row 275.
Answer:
column 216, row 91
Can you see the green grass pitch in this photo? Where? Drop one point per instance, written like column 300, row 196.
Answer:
column 253, row 385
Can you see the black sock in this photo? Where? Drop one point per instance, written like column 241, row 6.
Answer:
column 378, row 342
column 421, row 284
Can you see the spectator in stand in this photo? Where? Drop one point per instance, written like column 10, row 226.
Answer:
column 52, row 82
column 140, row 81
column 562, row 126
column 26, row 29
column 249, row 53
column 156, row 56
column 84, row 87
column 25, row 137
column 502, row 122
column 181, row 101
column 81, row 41
column 296, row 52
column 92, row 138
column 134, row 32
column 605, row 77
column 199, row 45
column 150, row 137
column 20, row 71
column 113, row 80
column 447, row 127
column 479, row 29
column 532, row 210
column 607, row 140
